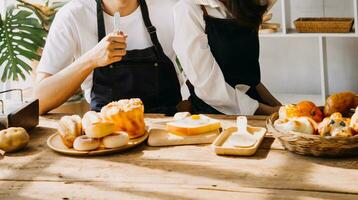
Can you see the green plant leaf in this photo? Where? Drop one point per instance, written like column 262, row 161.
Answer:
column 21, row 36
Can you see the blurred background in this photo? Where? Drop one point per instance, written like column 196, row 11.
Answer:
column 290, row 64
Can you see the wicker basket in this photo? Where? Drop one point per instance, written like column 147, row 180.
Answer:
column 324, row 25
column 314, row 145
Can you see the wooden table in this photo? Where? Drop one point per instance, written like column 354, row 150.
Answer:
column 181, row 172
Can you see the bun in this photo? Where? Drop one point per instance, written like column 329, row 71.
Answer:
column 127, row 115
column 354, row 121
column 95, row 127
column 69, row 128
column 302, row 109
column 84, row 143
column 341, row 102
column 13, row 139
column 299, row 124
column 115, row 140
column 193, row 125
column 99, row 129
column 334, row 126
column 90, row 118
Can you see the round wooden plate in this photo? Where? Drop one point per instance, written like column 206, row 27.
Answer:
column 56, row 144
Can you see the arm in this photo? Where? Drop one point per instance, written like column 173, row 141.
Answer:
column 202, row 70
column 54, row 90
column 267, row 97
column 51, row 91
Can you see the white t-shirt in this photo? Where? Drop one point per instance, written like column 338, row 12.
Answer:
column 74, row 32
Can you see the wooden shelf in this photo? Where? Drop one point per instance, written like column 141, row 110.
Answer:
column 294, row 34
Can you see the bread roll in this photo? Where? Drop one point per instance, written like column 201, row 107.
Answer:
column 95, row 126
column 84, row 143
column 302, row 109
column 298, row 124
column 69, row 128
column 127, row 115
column 13, row 139
column 341, row 102
column 99, row 129
column 115, row 140
column 336, row 126
column 90, row 118
column 354, row 122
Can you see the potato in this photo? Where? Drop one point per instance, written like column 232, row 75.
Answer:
column 13, row 139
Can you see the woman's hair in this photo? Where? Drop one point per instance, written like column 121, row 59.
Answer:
column 247, row 12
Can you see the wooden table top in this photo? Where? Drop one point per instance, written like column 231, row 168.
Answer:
column 180, row 172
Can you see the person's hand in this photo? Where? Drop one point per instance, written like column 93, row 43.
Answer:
column 110, row 49
column 266, row 110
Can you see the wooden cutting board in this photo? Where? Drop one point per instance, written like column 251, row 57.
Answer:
column 161, row 137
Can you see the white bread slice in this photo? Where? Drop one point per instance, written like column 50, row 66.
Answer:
column 193, row 125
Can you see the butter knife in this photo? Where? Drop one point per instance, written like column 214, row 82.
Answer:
column 117, row 17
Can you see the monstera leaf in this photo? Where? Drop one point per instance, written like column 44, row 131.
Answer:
column 21, row 36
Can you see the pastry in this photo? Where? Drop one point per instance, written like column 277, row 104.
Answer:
column 115, row 140
column 84, row 143
column 341, row 102
column 193, row 125
column 127, row 115
column 95, row 126
column 297, row 124
column 302, row 109
column 99, row 129
column 13, row 139
column 335, row 125
column 354, row 121
column 69, row 128
column 90, row 118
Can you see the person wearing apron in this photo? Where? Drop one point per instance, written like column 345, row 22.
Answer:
column 147, row 74
column 235, row 48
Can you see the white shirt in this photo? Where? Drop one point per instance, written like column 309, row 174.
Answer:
column 74, row 32
column 200, row 67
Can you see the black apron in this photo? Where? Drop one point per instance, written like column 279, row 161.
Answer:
column 147, row 74
column 236, row 49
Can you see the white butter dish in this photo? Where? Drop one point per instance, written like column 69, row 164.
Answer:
column 222, row 145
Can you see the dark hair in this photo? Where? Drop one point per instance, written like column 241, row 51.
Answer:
column 247, row 12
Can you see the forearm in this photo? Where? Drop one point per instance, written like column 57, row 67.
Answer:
column 266, row 95
column 54, row 90
column 266, row 110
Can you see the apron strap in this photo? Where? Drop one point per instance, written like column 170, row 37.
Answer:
column 100, row 21
column 204, row 10
column 150, row 28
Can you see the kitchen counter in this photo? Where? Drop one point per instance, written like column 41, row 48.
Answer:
column 180, row 172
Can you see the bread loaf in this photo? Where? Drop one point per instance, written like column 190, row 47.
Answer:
column 13, row 139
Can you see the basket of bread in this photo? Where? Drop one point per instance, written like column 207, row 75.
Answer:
column 306, row 129
column 119, row 126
